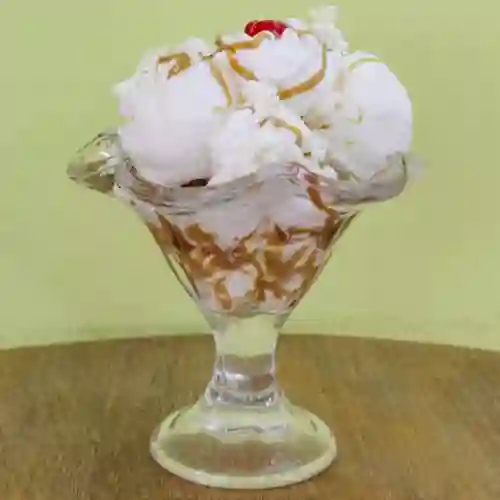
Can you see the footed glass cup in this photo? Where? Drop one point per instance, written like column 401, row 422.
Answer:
column 246, row 252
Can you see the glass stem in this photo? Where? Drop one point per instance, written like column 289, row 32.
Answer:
column 245, row 365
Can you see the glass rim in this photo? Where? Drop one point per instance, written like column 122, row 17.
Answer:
column 388, row 182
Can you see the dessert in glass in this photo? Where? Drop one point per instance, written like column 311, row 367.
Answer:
column 247, row 159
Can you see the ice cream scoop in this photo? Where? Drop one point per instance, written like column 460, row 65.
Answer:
column 208, row 113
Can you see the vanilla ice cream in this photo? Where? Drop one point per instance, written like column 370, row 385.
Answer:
column 221, row 111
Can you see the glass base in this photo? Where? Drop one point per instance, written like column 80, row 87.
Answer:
column 243, row 447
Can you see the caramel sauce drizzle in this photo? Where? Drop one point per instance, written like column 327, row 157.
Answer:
column 309, row 84
column 231, row 50
column 222, row 294
column 363, row 60
column 317, row 200
column 280, row 123
column 231, row 53
column 254, row 43
column 202, row 259
column 181, row 60
column 219, row 78
column 239, row 68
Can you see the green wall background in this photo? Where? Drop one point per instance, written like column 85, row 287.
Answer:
column 75, row 265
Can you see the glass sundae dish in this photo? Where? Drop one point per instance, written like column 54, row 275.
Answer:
column 246, row 160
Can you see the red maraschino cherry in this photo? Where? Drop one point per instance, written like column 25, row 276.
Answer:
column 253, row 28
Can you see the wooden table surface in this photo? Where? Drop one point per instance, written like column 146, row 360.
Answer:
column 413, row 422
